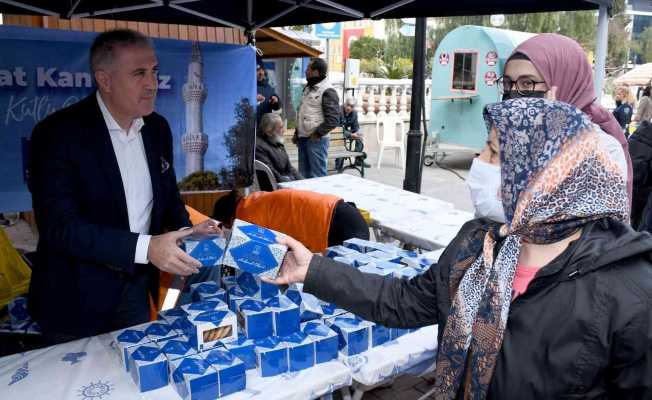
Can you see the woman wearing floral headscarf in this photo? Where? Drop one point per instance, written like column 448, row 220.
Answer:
column 556, row 303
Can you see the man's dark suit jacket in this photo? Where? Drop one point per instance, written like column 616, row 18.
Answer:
column 85, row 251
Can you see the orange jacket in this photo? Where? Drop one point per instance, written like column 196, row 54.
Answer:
column 303, row 215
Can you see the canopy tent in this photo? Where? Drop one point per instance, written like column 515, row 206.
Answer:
column 641, row 75
column 250, row 16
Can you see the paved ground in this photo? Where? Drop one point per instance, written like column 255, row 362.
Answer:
column 443, row 183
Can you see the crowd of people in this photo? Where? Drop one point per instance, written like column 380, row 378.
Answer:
column 548, row 294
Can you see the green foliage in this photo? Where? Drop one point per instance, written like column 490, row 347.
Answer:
column 643, row 45
column 367, row 48
column 200, row 180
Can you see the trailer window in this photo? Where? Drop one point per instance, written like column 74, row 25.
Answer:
column 464, row 70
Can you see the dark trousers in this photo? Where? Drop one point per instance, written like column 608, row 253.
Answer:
column 133, row 309
column 347, row 223
column 357, row 146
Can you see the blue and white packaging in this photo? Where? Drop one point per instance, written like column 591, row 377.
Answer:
column 301, row 351
column 309, row 305
column 406, row 273
column 326, row 340
column 396, row 333
column 148, row 367
column 346, row 260
column 125, row 339
column 235, row 297
column 331, row 310
column 17, row 308
column 286, row 315
column 254, row 249
column 364, row 246
column 210, row 327
column 178, row 347
column 207, row 249
column 385, row 256
column 207, row 291
column 253, row 287
column 271, row 356
column 231, row 371
column 379, row 335
column 203, row 306
column 159, row 330
column 338, row 251
column 228, row 282
column 194, row 379
column 353, row 334
column 256, row 319
column 172, row 314
column 423, row 261
column 244, row 349
column 372, row 269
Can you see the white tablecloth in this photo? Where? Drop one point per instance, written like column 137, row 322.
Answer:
column 409, row 217
column 89, row 369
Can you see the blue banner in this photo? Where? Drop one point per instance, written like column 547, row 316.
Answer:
column 330, row 30
column 42, row 71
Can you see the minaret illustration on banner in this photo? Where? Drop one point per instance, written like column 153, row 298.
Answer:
column 194, row 141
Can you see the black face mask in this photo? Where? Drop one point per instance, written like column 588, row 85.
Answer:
column 312, row 81
column 513, row 94
column 619, row 103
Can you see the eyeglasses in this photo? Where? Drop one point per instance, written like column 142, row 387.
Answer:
column 523, row 84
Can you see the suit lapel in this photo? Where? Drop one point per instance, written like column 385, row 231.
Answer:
column 154, row 162
column 107, row 160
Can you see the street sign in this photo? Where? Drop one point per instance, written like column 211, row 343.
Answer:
column 352, row 73
column 331, row 30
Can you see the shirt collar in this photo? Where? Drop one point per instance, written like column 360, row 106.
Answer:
column 111, row 123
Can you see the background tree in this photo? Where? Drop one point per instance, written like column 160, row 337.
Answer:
column 367, row 48
column 643, row 45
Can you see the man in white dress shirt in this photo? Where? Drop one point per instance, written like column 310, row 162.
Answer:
column 104, row 193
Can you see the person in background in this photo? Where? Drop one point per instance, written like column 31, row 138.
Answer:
column 317, row 220
column 267, row 98
column 644, row 109
column 271, row 151
column 555, row 303
column 349, row 122
column 319, row 113
column 555, row 67
column 104, row 194
column 640, row 149
column 624, row 110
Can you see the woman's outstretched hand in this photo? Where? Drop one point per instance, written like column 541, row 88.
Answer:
column 295, row 265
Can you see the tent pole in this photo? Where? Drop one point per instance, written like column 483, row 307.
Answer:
column 601, row 50
column 412, row 180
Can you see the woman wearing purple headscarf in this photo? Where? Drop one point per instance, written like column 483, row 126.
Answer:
column 555, row 67
column 555, row 303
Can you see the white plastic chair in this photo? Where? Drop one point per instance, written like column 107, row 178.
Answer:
column 389, row 140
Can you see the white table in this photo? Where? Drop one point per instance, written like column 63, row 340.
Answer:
column 411, row 218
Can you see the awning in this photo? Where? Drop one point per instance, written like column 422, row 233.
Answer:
column 275, row 44
column 251, row 15
column 639, row 76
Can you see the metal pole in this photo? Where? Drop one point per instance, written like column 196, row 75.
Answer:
column 601, row 50
column 412, row 180
column 328, row 53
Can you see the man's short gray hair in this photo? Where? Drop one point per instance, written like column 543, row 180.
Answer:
column 106, row 42
column 269, row 121
column 350, row 101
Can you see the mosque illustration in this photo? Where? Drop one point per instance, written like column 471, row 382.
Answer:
column 194, row 141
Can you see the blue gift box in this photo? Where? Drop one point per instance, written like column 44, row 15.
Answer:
column 256, row 319
column 207, row 249
column 406, row 273
column 17, row 308
column 193, row 378
column 286, row 315
column 359, row 259
column 207, row 290
column 301, row 351
column 326, row 340
column 338, row 251
column 385, row 256
column 148, row 367
column 210, row 327
column 254, row 249
column 346, row 260
column 231, row 371
column 178, row 347
column 353, row 334
column 228, row 282
column 235, row 297
column 330, row 310
column 171, row 314
column 309, row 306
column 253, row 287
column 379, row 335
column 396, row 333
column 244, row 349
column 364, row 246
column 422, row 261
column 203, row 306
column 372, row 269
column 271, row 356
column 160, row 330
column 125, row 339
